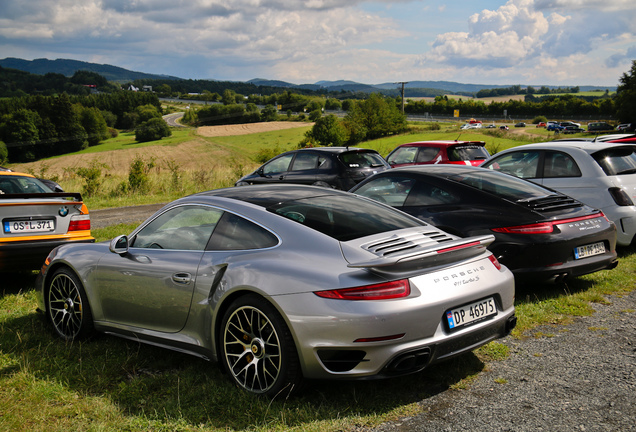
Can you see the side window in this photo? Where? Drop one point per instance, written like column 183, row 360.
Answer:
column 305, row 161
column 185, row 228
column 427, row 154
column 278, row 165
column 390, row 190
column 557, row 164
column 236, row 233
column 403, row 155
column 426, row 194
column 523, row 164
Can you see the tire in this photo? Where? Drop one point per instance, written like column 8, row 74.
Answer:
column 257, row 349
column 67, row 306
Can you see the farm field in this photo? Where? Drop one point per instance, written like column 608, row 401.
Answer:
column 110, row 384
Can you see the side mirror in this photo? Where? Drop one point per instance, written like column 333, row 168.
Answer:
column 119, row 245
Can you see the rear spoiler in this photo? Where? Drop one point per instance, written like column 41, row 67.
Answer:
column 436, row 253
column 67, row 195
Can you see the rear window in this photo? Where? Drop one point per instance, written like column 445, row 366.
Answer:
column 344, row 217
column 21, row 185
column 357, row 159
column 617, row 160
column 467, row 152
column 502, row 185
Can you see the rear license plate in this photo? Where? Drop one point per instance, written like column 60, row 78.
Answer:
column 29, row 226
column 467, row 314
column 589, row 250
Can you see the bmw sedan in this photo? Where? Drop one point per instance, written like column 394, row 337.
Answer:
column 540, row 234
column 35, row 220
column 599, row 173
column 279, row 283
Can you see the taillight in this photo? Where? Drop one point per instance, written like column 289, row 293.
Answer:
column 539, row 228
column 620, row 196
column 382, row 291
column 80, row 223
column 493, row 259
column 544, row 227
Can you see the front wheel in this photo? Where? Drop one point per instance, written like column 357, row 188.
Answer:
column 257, row 348
column 67, row 306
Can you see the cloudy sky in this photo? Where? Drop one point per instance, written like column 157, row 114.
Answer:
column 534, row 42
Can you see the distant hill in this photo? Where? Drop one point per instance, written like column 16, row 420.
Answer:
column 69, row 67
column 113, row 73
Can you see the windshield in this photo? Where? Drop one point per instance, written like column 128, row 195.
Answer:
column 502, row 185
column 362, row 159
column 617, row 160
column 11, row 184
column 469, row 152
column 344, row 217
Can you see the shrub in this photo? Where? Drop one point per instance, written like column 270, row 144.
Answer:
column 539, row 119
column 92, row 176
column 152, row 130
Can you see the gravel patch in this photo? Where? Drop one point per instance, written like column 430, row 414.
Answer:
column 576, row 377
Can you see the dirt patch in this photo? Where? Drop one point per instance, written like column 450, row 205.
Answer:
column 246, row 129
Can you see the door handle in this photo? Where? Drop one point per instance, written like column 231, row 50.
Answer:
column 182, row 278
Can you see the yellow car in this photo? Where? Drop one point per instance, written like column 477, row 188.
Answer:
column 35, row 220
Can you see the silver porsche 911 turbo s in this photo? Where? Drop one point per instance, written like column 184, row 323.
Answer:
column 280, row 283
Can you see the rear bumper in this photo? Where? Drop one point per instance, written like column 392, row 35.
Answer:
column 30, row 255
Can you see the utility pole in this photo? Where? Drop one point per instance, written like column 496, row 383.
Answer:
column 405, row 82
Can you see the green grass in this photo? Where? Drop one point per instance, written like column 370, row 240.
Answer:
column 111, row 384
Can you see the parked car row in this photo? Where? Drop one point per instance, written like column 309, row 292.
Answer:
column 280, row 281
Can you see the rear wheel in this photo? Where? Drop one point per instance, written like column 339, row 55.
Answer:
column 258, row 350
column 67, row 306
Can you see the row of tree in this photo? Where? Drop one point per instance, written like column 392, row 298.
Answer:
column 553, row 106
column 35, row 127
column 529, row 90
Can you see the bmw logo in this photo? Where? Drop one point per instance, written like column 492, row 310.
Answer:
column 63, row 211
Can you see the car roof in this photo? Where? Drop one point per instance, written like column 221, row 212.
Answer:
column 335, row 150
column 14, row 174
column 586, row 146
column 270, row 194
column 442, row 143
column 439, row 170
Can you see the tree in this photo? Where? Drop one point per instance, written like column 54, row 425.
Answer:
column 626, row 97
column 20, row 132
column 328, row 131
column 152, row 130
column 94, row 125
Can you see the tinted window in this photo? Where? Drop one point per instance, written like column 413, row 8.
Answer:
column 278, row 165
column 185, row 228
column 236, row 233
column 403, row 155
column 344, row 217
column 501, row 185
column 468, row 152
column 557, row 164
column 18, row 185
column 523, row 164
column 427, row 154
column 305, row 161
column 426, row 194
column 617, row 160
column 390, row 190
column 361, row 159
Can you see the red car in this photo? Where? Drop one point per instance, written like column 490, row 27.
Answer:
column 439, row 152
column 542, row 124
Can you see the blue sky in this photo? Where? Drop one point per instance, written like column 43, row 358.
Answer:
column 528, row 42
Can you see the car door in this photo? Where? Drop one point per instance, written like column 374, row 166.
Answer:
column 303, row 169
column 274, row 171
column 151, row 285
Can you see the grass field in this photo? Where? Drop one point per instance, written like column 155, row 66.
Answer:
column 110, row 384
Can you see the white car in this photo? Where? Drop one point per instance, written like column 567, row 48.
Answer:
column 471, row 126
column 600, row 174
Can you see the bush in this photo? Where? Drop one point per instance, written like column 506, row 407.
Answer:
column 4, row 153
column 539, row 119
column 152, row 130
